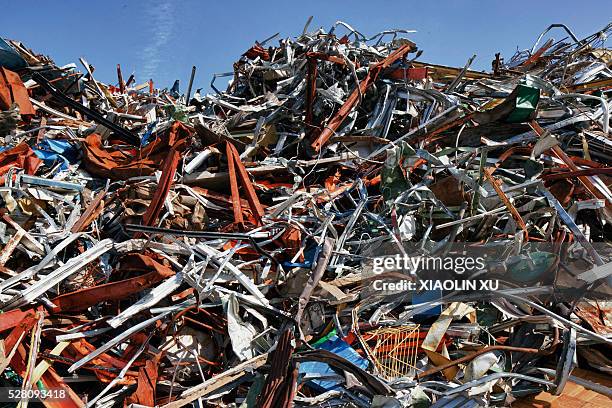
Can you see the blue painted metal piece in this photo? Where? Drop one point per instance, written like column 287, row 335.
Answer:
column 339, row 347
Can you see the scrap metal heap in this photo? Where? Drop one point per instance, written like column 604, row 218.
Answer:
column 225, row 249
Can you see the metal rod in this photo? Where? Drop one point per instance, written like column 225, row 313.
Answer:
column 193, row 71
column 120, row 132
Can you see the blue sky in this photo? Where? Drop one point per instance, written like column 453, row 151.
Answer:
column 163, row 39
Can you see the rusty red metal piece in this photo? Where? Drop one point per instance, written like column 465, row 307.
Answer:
column 588, row 185
column 231, row 168
column 165, row 182
column 257, row 51
column 413, row 74
column 124, row 163
column 84, row 298
column 147, row 382
column 50, row 379
column 12, row 318
column 325, row 57
column 536, row 55
column 577, row 173
column 311, row 91
column 12, row 90
column 20, row 156
column 92, row 212
column 120, row 79
column 238, row 174
column 515, row 214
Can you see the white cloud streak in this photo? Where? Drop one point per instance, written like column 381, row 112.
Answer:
column 160, row 20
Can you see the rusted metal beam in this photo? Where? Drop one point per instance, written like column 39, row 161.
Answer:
column 165, row 182
column 588, row 185
column 231, row 169
column 147, row 382
column 13, row 318
column 241, row 175
column 325, row 57
column 515, row 214
column 120, row 79
column 92, row 212
column 84, row 298
column 599, row 84
column 311, row 90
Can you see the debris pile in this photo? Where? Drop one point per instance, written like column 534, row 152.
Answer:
column 269, row 245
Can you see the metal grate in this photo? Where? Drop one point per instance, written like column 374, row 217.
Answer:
column 394, row 350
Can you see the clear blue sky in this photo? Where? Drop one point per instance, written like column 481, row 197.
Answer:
column 162, row 39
